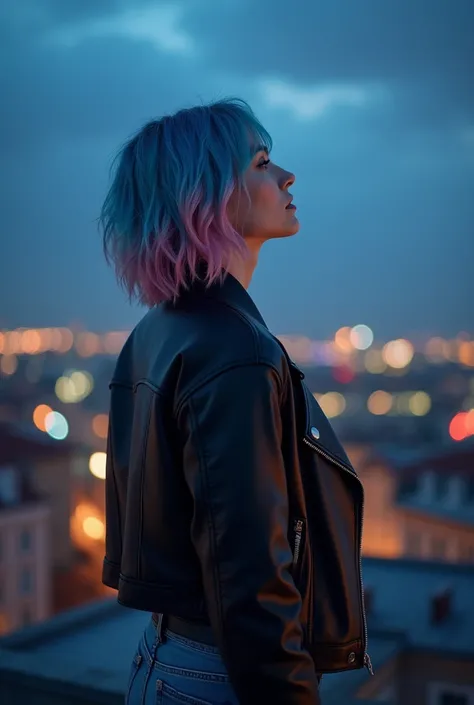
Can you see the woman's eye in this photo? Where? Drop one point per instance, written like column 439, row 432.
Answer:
column 265, row 163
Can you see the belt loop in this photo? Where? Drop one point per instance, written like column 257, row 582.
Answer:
column 160, row 628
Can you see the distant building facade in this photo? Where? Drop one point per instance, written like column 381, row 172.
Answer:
column 420, row 508
column 34, row 524
column 25, row 554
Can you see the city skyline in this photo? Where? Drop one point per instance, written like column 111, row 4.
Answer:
column 370, row 107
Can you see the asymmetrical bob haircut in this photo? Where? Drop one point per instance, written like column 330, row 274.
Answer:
column 165, row 213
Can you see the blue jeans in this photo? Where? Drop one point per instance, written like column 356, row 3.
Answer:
column 169, row 669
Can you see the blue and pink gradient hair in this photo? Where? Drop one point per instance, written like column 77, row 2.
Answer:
column 166, row 211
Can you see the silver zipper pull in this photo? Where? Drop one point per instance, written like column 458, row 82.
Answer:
column 368, row 664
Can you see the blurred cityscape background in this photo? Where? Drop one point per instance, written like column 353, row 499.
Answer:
column 371, row 106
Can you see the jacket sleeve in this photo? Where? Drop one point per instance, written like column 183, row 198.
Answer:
column 234, row 468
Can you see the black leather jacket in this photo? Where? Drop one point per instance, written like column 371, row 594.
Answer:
column 229, row 498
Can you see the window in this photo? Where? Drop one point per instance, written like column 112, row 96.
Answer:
column 470, row 490
column 441, row 486
column 25, row 541
column 438, row 547
column 452, row 699
column 26, row 581
column 26, row 616
column 413, row 543
column 3, row 623
column 409, row 486
column 450, row 694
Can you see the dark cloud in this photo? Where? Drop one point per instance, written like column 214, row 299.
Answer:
column 422, row 50
column 383, row 190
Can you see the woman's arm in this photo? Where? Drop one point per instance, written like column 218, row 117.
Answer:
column 234, row 468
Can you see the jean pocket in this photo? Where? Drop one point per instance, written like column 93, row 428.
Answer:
column 167, row 695
column 134, row 668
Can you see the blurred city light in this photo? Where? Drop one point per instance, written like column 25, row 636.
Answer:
column 361, row 337
column 419, row 403
column 434, row 350
column 374, row 362
column 74, row 387
column 31, row 342
column 466, row 354
column 398, row 353
column 342, row 340
column 380, row 402
column 9, row 364
column 87, row 344
column 39, row 416
column 100, row 424
column 332, row 403
column 97, row 464
column 343, row 374
column 94, row 528
column 56, row 425
column 462, row 425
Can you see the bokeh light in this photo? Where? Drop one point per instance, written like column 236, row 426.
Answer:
column 332, row 403
column 56, row 425
column 342, row 340
column 97, row 464
column 462, row 425
column 9, row 365
column 374, row 362
column 100, row 425
column 398, row 353
column 30, row 342
column 466, row 354
column 94, row 528
column 39, row 416
column 361, row 337
column 74, row 386
column 380, row 402
column 419, row 403
column 343, row 374
column 87, row 344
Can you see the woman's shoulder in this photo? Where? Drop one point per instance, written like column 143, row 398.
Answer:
column 180, row 348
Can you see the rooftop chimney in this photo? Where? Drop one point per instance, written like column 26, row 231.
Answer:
column 441, row 606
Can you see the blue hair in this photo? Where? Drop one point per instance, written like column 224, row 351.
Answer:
column 166, row 210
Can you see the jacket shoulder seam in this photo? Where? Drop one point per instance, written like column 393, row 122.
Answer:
column 248, row 323
column 249, row 362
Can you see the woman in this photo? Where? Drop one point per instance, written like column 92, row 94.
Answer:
column 233, row 514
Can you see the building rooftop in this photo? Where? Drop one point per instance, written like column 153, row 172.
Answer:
column 86, row 651
column 463, row 514
column 447, row 457
column 26, row 442
column 84, row 655
column 401, row 599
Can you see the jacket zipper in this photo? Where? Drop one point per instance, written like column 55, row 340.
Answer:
column 298, row 529
column 367, row 661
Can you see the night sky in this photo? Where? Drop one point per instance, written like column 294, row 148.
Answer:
column 369, row 102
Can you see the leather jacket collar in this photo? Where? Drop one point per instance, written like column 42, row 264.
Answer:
column 230, row 291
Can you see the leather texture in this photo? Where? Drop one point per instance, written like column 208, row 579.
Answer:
column 230, row 500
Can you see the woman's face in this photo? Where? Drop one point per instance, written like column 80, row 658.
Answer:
column 267, row 215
